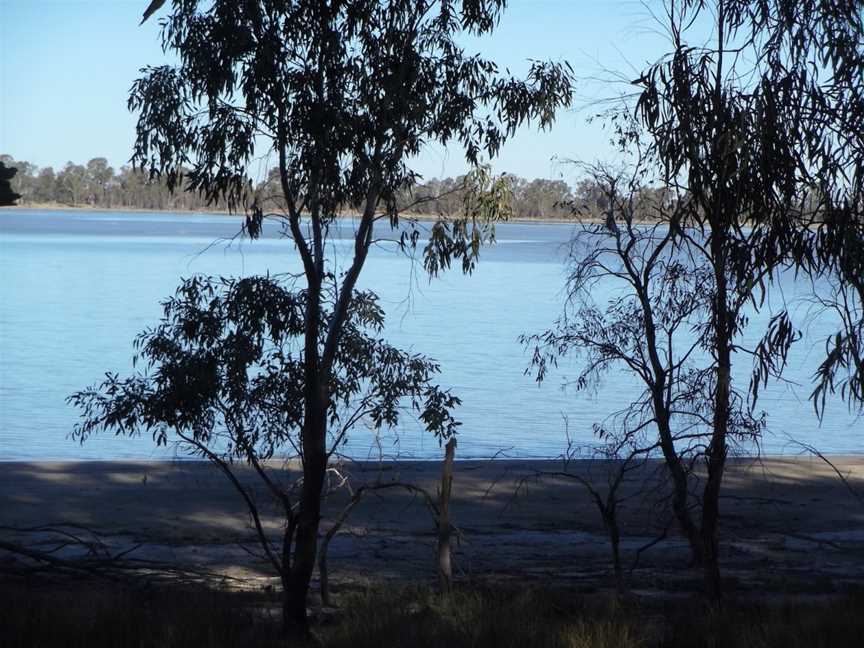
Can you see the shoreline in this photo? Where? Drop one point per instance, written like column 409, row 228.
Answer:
column 786, row 524
column 59, row 207
column 499, row 459
column 193, row 212
column 424, row 218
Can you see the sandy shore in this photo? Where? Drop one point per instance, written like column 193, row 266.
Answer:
column 788, row 524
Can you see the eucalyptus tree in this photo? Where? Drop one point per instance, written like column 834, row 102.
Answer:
column 223, row 379
column 654, row 321
column 819, row 48
column 45, row 185
column 842, row 370
column 99, row 175
column 19, row 176
column 747, row 122
column 342, row 94
column 72, row 184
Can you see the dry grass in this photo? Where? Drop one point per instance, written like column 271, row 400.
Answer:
column 95, row 615
column 559, row 619
column 478, row 618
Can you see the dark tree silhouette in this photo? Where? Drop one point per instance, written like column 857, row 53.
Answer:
column 658, row 326
column 224, row 376
column 7, row 196
column 747, row 124
column 842, row 370
column 152, row 8
column 342, row 93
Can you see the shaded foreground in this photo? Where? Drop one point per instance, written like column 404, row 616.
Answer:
column 533, row 565
column 789, row 525
column 96, row 615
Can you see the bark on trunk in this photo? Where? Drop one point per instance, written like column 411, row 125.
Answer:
column 680, row 479
column 679, row 474
column 711, row 519
column 717, row 448
column 296, row 584
column 294, row 617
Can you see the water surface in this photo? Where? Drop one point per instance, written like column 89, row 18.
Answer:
column 78, row 286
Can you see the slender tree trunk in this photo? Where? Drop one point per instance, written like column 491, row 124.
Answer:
column 678, row 473
column 711, row 496
column 445, row 567
column 294, row 617
column 611, row 521
column 314, row 436
column 680, row 479
column 717, row 449
column 723, row 328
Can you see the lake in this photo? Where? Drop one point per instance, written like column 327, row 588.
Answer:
column 78, row 286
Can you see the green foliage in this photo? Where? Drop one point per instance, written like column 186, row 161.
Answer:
column 107, row 188
column 96, row 184
column 534, row 199
column 519, row 198
column 842, row 370
column 485, row 201
column 345, row 91
column 762, row 127
column 223, row 373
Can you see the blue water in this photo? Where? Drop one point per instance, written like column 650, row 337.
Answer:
column 78, row 286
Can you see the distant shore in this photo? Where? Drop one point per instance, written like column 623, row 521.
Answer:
column 220, row 212
column 787, row 516
column 88, row 208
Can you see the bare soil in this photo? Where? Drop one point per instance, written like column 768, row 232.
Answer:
column 790, row 526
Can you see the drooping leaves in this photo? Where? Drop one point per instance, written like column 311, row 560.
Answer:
column 224, row 367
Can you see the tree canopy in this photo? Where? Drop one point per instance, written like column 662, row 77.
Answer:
column 341, row 95
column 751, row 132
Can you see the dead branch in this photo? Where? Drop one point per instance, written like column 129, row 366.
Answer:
column 445, row 567
column 843, row 478
column 97, row 562
column 357, row 496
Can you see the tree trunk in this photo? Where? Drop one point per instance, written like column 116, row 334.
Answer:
column 445, row 567
column 680, row 478
column 610, row 519
column 717, row 448
column 294, row 617
column 679, row 474
column 716, row 456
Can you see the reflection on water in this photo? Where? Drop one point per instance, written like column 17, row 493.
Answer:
column 78, row 286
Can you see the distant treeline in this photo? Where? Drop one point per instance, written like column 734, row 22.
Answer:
column 96, row 184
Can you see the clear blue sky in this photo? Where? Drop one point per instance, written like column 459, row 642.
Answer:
column 66, row 67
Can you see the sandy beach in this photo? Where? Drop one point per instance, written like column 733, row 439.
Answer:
column 789, row 525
